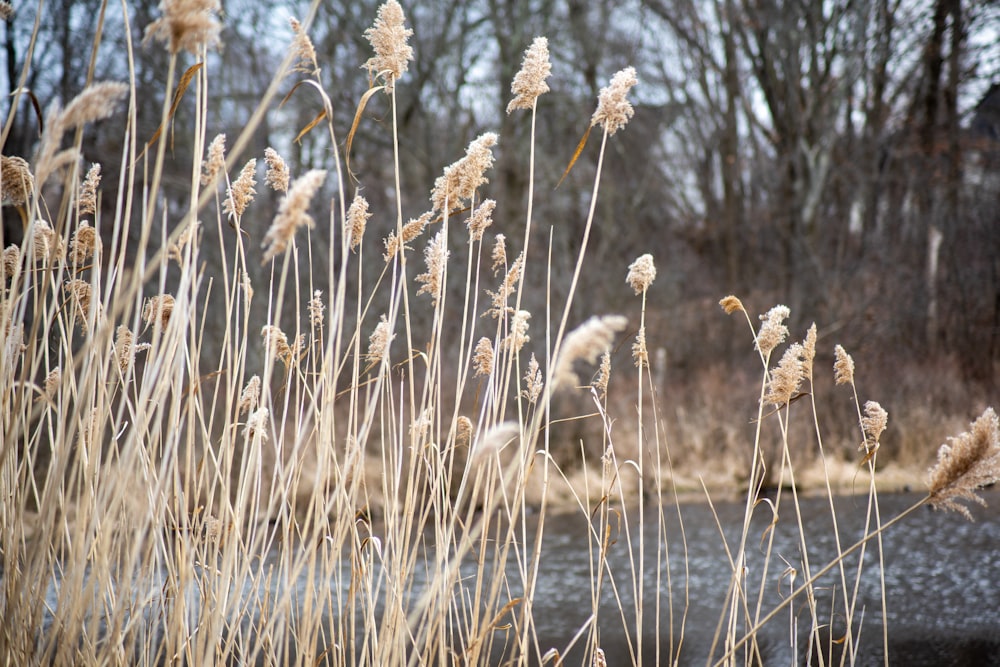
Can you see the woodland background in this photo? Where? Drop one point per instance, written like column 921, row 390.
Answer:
column 840, row 157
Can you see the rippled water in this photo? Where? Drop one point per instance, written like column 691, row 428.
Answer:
column 942, row 578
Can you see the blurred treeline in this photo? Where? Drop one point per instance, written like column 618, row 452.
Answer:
column 840, row 157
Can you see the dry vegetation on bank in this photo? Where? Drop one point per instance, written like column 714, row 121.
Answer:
column 157, row 500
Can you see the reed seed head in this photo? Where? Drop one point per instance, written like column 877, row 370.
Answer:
column 809, row 351
column 499, row 254
column 177, row 248
column 250, row 396
column 316, row 309
column 126, row 348
column 499, row 306
column 87, row 204
column 11, row 260
column 241, row 193
column 16, row 181
column 357, row 220
column 463, row 177
column 786, row 377
column 518, row 335
column 773, row 331
column 641, row 273
column 277, row 171
column 463, row 431
column 843, row 366
column 186, row 24
column 379, row 342
column 277, row 345
column 529, row 82
column 258, row 425
column 158, row 310
column 613, row 107
column 84, row 244
column 6, row 11
column 603, row 378
column 51, row 384
column 533, row 384
column 436, row 257
column 48, row 246
column 79, row 293
column 95, row 102
column 410, row 231
column 215, row 160
column 482, row 357
column 388, row 37
column 303, row 50
column 586, row 343
column 292, row 213
column 480, row 219
column 640, row 355
column 731, row 304
column 873, row 425
column 965, row 464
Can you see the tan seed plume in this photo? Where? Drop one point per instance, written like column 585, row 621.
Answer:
column 292, row 213
column 463, row 177
column 843, row 366
column 533, row 384
column 600, row 383
column 641, row 273
column 357, row 220
column 518, row 335
column 258, row 425
column 965, row 464
column 79, row 293
column 303, row 50
column 731, row 304
column 84, row 244
column 499, row 254
column 388, row 37
column 158, row 310
column 190, row 25
column 613, row 107
column 436, row 258
column 316, row 309
column 529, row 82
column 379, row 342
column 16, row 181
column 587, row 342
column 773, row 330
column 482, row 357
column 87, row 205
column 215, row 160
column 480, row 219
column 11, row 260
column 242, row 191
column 786, row 378
column 277, row 177
column 250, row 396
column 873, row 424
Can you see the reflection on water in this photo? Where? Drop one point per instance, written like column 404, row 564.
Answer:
column 942, row 577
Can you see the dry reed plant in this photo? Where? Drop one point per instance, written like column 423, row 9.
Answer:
column 333, row 485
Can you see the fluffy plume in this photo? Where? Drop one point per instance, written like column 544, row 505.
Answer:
column 51, row 384
column 241, row 193
column 843, row 366
column 16, row 181
column 357, row 220
column 518, row 335
column 499, row 306
column 966, row 463
column 79, row 293
column 87, row 204
column 499, row 254
column 436, row 257
column 186, row 24
column 277, row 171
column 532, row 381
column 600, row 382
column 277, row 345
column 126, row 349
column 250, row 396
column 158, row 310
column 411, row 230
column 586, row 343
column 529, row 82
column 809, row 351
column 48, row 246
column 482, row 357
column 379, row 342
column 316, row 309
column 613, row 107
column 731, row 304
column 11, row 260
column 480, row 219
column 303, row 50
column 461, row 178
column 640, row 355
column 292, row 213
column 258, row 425
column 177, row 249
column 786, row 377
column 388, row 38
column 773, row 330
column 873, row 424
column 641, row 273
column 83, row 244
column 215, row 160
